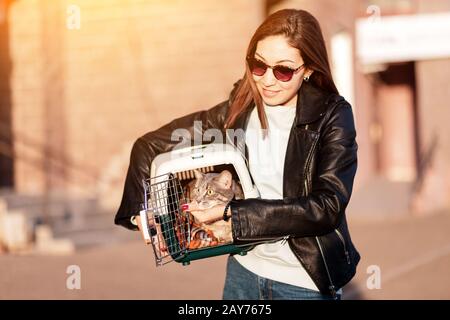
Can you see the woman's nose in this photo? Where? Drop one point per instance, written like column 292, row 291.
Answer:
column 268, row 78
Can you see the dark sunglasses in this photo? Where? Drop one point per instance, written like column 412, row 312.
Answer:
column 282, row 73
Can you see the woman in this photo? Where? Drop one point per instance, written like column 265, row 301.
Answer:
column 300, row 142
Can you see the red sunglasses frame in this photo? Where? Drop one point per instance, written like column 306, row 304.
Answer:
column 276, row 69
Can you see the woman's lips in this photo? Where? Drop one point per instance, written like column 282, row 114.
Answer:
column 269, row 93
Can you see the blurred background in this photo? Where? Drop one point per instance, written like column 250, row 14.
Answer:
column 80, row 80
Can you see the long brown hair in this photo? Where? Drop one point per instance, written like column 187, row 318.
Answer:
column 304, row 33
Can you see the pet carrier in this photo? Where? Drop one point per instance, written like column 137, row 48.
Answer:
column 172, row 232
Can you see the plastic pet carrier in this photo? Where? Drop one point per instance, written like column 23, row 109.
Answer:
column 173, row 232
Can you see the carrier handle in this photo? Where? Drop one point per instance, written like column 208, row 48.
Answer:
column 145, row 226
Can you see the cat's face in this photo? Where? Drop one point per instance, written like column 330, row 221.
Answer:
column 211, row 189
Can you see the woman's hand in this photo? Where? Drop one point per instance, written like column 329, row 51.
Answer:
column 205, row 215
column 157, row 239
column 139, row 225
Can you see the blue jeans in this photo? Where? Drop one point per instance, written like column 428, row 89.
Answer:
column 242, row 284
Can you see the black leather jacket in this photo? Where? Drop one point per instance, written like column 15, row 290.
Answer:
column 319, row 169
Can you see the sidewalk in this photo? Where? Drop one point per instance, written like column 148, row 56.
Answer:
column 413, row 254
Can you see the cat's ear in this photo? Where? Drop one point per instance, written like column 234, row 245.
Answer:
column 225, row 179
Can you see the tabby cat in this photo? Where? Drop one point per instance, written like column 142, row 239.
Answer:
column 210, row 190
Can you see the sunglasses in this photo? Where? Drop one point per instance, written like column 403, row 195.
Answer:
column 282, row 73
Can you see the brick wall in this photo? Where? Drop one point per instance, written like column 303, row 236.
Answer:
column 25, row 22
column 6, row 145
column 82, row 96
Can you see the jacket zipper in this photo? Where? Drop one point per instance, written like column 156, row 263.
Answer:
column 331, row 287
column 285, row 239
column 343, row 242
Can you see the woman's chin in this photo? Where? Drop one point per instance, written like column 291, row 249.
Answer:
column 273, row 101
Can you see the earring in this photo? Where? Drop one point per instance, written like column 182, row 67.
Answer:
column 306, row 78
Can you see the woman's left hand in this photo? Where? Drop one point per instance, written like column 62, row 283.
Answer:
column 205, row 215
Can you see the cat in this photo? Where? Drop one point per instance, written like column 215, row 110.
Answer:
column 209, row 190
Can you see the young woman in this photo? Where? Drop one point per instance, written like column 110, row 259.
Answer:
column 300, row 143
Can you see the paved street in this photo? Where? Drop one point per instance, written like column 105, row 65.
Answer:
column 412, row 254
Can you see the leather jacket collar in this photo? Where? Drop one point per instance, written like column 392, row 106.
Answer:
column 311, row 103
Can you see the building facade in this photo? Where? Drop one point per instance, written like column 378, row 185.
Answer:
column 81, row 80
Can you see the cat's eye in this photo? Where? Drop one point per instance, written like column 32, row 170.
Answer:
column 210, row 192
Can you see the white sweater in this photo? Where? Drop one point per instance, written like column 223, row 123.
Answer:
column 274, row 261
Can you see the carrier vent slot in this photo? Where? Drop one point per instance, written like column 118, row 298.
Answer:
column 189, row 174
